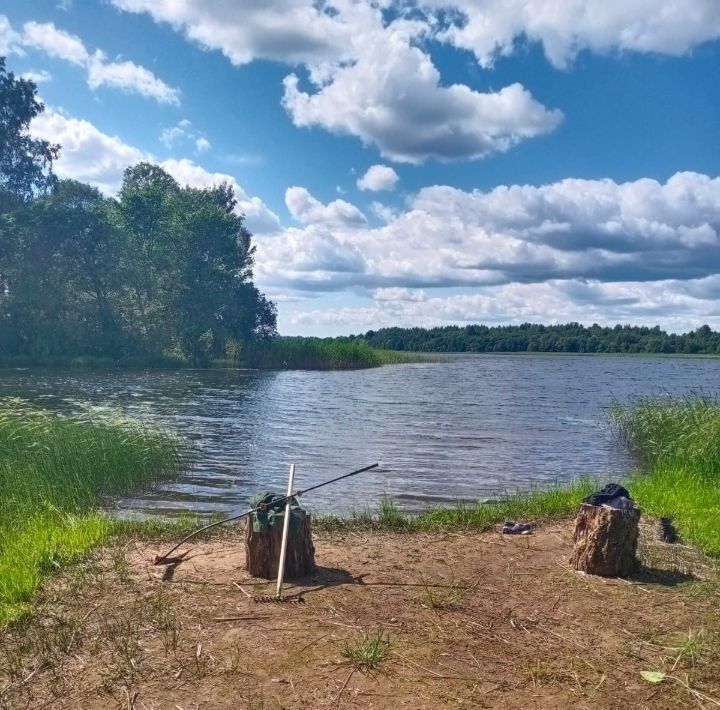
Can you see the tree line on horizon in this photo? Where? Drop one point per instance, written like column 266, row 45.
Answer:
column 533, row 337
column 160, row 270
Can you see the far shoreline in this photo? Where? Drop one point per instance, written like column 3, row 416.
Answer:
column 394, row 357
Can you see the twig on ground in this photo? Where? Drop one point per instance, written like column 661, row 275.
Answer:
column 635, row 584
column 23, row 681
column 239, row 618
column 345, row 684
column 247, row 594
column 130, row 700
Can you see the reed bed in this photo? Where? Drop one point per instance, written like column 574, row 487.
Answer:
column 298, row 353
column 54, row 472
column 673, row 432
column 677, row 441
column 278, row 353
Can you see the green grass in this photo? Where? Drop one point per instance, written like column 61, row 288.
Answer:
column 556, row 502
column 678, row 441
column 54, row 472
column 368, row 652
column 673, row 432
column 538, row 504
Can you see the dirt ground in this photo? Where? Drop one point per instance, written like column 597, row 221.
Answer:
column 453, row 620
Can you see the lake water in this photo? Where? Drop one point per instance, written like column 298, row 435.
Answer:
column 463, row 427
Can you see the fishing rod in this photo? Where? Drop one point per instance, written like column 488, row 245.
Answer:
column 166, row 559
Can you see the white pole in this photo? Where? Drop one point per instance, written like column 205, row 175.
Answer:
column 286, row 528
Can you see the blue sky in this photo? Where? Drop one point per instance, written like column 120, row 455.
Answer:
column 414, row 163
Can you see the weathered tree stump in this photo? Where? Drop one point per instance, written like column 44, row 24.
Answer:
column 606, row 541
column 262, row 548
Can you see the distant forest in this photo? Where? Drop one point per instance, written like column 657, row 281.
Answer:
column 530, row 337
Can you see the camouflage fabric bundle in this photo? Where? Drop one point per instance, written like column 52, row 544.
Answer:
column 273, row 512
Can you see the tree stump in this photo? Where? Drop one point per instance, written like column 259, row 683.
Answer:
column 606, row 541
column 262, row 548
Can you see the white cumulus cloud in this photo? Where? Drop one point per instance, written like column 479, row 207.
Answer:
column 292, row 31
column 184, row 134
column 678, row 306
column 378, row 178
column 309, row 210
column 54, row 42
column 37, row 76
column 643, row 230
column 490, row 28
column 59, row 44
column 130, row 77
column 392, row 97
column 371, row 76
column 89, row 155
column 308, row 32
column 9, row 39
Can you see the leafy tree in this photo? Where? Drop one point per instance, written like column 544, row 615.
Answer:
column 161, row 270
column 90, row 249
column 189, row 262
column 62, row 278
column 147, row 216
column 25, row 162
column 213, row 290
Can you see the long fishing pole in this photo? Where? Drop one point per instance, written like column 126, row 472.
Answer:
column 164, row 559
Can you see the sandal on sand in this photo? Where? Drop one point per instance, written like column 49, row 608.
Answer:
column 513, row 528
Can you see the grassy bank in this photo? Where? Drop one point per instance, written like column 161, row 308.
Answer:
column 678, row 441
column 557, row 502
column 54, row 471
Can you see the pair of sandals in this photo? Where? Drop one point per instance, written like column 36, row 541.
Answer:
column 512, row 528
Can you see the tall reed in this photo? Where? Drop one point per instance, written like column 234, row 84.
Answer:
column 676, row 432
column 678, row 442
column 54, row 471
column 298, row 353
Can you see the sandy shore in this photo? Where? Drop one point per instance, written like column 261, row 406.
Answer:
column 458, row 620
